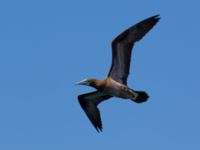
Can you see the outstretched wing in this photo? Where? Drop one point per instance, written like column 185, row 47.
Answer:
column 122, row 46
column 89, row 102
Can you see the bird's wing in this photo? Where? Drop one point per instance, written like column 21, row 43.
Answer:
column 89, row 102
column 122, row 46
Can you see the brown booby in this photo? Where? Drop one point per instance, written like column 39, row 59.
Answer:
column 115, row 83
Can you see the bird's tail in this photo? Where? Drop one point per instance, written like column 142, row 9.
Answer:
column 141, row 97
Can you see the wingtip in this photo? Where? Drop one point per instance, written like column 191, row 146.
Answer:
column 157, row 17
column 154, row 19
column 99, row 129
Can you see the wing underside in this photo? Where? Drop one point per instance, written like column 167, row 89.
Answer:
column 122, row 48
column 89, row 102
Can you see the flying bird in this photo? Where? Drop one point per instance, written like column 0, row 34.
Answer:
column 115, row 83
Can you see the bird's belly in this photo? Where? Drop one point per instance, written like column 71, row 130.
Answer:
column 122, row 92
column 116, row 89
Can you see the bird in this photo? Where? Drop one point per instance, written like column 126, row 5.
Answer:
column 115, row 83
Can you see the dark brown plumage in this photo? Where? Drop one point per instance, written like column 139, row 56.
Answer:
column 89, row 104
column 122, row 47
column 115, row 84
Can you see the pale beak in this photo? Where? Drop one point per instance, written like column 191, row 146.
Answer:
column 83, row 82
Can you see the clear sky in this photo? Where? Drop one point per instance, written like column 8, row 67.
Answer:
column 46, row 46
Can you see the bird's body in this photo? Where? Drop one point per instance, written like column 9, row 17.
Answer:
column 113, row 88
column 117, row 89
column 115, row 83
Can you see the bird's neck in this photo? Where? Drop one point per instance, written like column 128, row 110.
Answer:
column 98, row 84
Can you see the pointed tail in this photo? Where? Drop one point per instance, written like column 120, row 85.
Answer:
column 142, row 97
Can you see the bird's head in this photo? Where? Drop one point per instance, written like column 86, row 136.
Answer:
column 88, row 82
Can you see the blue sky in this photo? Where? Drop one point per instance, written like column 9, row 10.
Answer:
column 47, row 46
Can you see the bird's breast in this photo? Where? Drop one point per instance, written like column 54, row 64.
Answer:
column 116, row 89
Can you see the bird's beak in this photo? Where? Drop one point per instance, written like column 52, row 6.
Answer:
column 83, row 82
